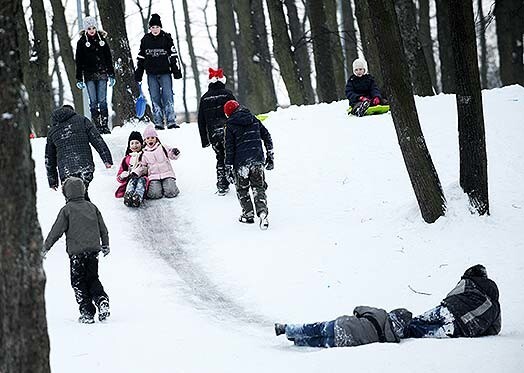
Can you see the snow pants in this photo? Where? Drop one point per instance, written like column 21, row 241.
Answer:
column 251, row 177
column 435, row 323
column 319, row 334
column 220, row 152
column 136, row 186
column 85, row 282
column 162, row 188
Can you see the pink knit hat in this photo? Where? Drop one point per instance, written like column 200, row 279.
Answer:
column 150, row 132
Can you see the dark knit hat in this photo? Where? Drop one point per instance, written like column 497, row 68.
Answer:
column 135, row 135
column 476, row 271
column 155, row 20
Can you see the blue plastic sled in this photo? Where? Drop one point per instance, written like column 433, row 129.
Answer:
column 140, row 104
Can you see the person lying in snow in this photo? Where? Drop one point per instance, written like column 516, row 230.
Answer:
column 471, row 309
column 361, row 89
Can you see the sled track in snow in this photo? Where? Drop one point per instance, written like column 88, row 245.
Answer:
column 170, row 245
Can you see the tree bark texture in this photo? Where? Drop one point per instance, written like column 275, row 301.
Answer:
column 24, row 342
column 300, row 48
column 326, row 79
column 421, row 170
column 349, row 35
column 192, row 55
column 125, row 89
column 56, row 71
column 418, row 70
column 481, row 29
column 447, row 65
column 258, row 82
column 226, row 31
column 284, row 54
column 472, row 138
column 41, row 103
column 369, row 44
column 426, row 41
column 330, row 7
column 183, row 65
column 509, row 17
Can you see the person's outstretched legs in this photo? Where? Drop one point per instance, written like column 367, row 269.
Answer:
column 435, row 323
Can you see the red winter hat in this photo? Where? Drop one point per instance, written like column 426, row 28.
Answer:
column 230, row 107
column 216, row 75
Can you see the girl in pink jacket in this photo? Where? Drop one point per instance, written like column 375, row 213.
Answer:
column 156, row 164
column 133, row 184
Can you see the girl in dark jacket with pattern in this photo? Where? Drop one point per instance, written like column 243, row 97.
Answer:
column 94, row 68
column 361, row 89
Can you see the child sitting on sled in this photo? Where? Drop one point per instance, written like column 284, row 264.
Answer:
column 361, row 89
column 132, row 186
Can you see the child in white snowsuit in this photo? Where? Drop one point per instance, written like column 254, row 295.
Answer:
column 84, row 227
column 361, row 89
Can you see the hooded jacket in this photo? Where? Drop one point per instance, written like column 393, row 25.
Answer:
column 93, row 57
column 244, row 134
column 361, row 86
column 68, row 147
column 156, row 162
column 80, row 220
column 157, row 55
column 211, row 117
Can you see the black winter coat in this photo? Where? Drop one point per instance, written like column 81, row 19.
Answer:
column 157, row 55
column 244, row 134
column 474, row 303
column 211, row 117
column 93, row 62
column 361, row 86
column 68, row 147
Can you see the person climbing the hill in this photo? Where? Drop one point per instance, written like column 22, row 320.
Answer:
column 211, row 121
column 245, row 161
column 361, row 89
column 132, row 186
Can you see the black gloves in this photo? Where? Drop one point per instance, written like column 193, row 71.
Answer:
column 270, row 160
column 105, row 250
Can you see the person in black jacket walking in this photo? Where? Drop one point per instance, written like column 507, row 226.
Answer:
column 361, row 89
column 68, row 148
column 211, row 121
column 245, row 160
column 94, row 68
column 159, row 58
column 471, row 309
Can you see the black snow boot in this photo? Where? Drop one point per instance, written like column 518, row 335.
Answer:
column 128, row 199
column 246, row 219
column 86, row 319
column 103, row 309
column 104, row 122
column 280, row 329
column 360, row 110
column 136, row 201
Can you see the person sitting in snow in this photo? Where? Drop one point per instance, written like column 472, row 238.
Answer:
column 156, row 164
column 86, row 235
column 245, row 161
column 361, row 89
column 132, row 186
column 211, row 121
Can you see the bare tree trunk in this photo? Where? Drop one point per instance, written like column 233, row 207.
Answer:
column 226, row 33
column 330, row 8
column 59, row 102
column 418, row 69
column 206, row 23
column 254, row 51
column 24, row 48
column 447, row 66
column 300, row 47
column 194, row 64
column 86, row 8
column 66, row 52
column 24, row 343
column 144, row 18
column 284, row 54
column 349, row 36
column 326, row 80
column 126, row 89
column 424, row 35
column 421, row 170
column 472, row 137
column 481, row 27
column 41, row 100
column 509, row 16
column 187, row 119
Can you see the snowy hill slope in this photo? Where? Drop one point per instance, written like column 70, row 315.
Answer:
column 193, row 290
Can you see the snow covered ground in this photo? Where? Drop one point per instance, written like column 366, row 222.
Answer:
column 193, row 290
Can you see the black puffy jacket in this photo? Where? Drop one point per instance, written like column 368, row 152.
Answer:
column 244, row 134
column 157, row 55
column 68, row 147
column 211, row 117
column 361, row 86
column 93, row 57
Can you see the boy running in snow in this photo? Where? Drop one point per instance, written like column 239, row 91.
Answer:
column 84, row 227
column 245, row 161
column 361, row 89
column 211, row 121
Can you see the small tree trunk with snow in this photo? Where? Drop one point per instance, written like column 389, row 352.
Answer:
column 192, row 55
column 226, row 30
column 447, row 66
column 349, row 36
column 424, row 35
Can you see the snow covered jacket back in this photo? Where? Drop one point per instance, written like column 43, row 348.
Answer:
column 244, row 134
column 93, row 57
column 156, row 162
column 80, row 220
column 361, row 86
column 368, row 325
column 68, row 146
column 157, row 55
column 211, row 117
column 474, row 303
